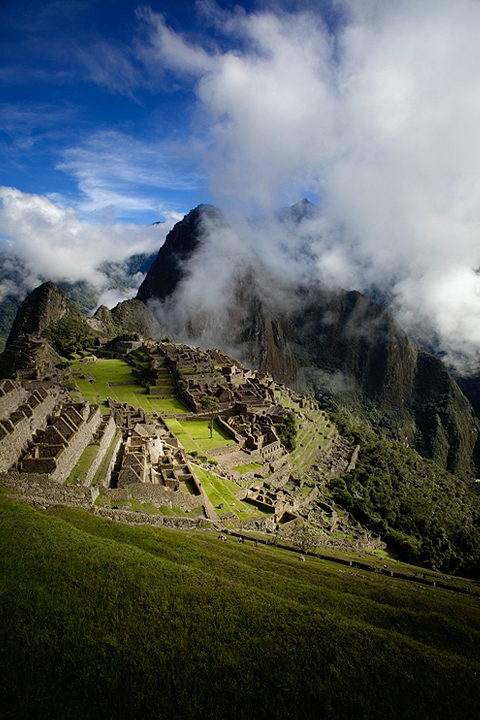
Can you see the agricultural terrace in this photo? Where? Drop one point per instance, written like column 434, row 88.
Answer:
column 314, row 431
column 106, row 373
column 221, row 491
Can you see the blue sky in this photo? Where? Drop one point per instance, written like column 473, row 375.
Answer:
column 89, row 117
column 87, row 139
column 115, row 114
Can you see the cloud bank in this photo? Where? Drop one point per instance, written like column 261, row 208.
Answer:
column 40, row 239
column 380, row 119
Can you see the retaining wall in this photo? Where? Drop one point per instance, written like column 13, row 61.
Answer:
column 104, row 444
column 11, row 396
column 72, row 452
column 134, row 518
column 155, row 494
column 16, row 436
column 43, row 487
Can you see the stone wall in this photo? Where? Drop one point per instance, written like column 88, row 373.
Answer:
column 12, row 395
column 103, row 446
column 42, row 487
column 156, row 494
column 60, row 447
column 134, row 518
column 24, row 421
column 71, row 453
column 106, row 477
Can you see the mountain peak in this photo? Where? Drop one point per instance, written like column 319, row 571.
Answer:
column 167, row 270
column 304, row 209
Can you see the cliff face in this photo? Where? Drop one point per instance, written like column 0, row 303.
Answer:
column 169, row 267
column 340, row 345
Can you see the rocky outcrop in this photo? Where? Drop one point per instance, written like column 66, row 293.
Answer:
column 129, row 316
column 169, row 267
column 45, row 306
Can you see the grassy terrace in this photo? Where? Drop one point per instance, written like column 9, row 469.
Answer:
column 247, row 468
column 147, row 507
column 315, row 436
column 195, row 435
column 103, row 620
column 221, row 490
column 101, row 474
column 80, row 470
column 106, row 371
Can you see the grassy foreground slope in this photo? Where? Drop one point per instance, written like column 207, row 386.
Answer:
column 100, row 619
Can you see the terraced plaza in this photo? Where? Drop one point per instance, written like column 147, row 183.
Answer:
column 180, row 432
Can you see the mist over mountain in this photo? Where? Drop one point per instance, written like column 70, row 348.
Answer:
column 209, row 287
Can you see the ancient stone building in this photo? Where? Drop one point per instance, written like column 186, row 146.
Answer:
column 58, row 448
column 22, row 415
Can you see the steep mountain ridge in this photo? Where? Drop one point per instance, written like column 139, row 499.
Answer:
column 339, row 345
column 16, row 279
column 168, row 268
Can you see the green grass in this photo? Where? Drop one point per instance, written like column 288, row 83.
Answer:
column 80, row 470
column 101, row 619
column 101, row 473
column 222, row 490
column 105, row 371
column 247, row 468
column 195, row 435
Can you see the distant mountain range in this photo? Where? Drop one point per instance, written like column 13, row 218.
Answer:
column 16, row 284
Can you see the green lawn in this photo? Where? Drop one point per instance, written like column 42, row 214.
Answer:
column 107, row 371
column 103, row 620
column 221, row 490
column 195, row 435
column 80, row 470
column 247, row 468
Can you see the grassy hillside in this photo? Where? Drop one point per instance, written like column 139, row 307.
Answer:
column 105, row 620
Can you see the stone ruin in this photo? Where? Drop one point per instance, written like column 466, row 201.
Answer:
column 152, row 463
column 43, row 434
column 22, row 416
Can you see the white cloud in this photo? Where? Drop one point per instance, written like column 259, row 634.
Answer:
column 117, row 171
column 383, row 119
column 55, row 244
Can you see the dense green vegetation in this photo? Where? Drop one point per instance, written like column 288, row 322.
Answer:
column 427, row 515
column 71, row 333
column 447, row 432
column 100, row 619
column 287, row 431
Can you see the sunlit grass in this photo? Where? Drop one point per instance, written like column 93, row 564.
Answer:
column 195, row 435
column 79, row 472
column 107, row 371
column 242, row 469
column 222, row 491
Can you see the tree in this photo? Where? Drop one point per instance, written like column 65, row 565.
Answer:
column 211, row 404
